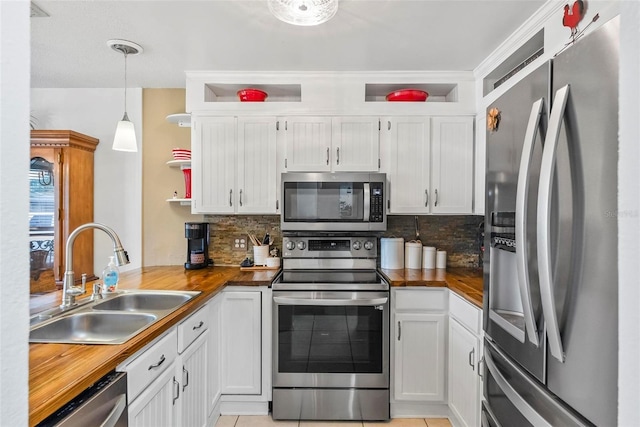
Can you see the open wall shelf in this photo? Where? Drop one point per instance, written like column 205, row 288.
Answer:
column 275, row 92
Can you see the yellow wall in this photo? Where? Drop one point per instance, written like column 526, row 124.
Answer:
column 163, row 241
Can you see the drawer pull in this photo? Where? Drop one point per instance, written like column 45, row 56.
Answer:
column 198, row 326
column 155, row 365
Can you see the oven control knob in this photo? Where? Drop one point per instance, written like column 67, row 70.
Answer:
column 302, row 245
column 368, row 245
column 357, row 245
column 290, row 245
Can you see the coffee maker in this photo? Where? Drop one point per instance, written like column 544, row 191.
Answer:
column 197, row 234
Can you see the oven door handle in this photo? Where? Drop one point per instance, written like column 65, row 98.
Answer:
column 329, row 301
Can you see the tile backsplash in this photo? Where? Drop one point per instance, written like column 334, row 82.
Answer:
column 456, row 234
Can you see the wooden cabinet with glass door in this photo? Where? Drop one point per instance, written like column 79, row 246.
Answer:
column 60, row 200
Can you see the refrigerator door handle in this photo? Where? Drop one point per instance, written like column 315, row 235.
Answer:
column 518, row 401
column 544, row 220
column 522, row 265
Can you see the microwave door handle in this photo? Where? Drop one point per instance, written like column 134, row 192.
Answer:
column 522, row 191
column 367, row 202
column 329, row 301
column 514, row 397
column 544, row 231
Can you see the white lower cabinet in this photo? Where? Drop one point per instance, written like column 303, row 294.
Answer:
column 419, row 346
column 167, row 383
column 465, row 391
column 241, row 343
column 155, row 406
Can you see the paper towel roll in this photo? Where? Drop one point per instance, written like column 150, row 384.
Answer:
column 428, row 257
column 392, row 252
column 441, row 259
column 412, row 255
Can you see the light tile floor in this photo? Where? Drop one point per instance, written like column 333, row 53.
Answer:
column 266, row 421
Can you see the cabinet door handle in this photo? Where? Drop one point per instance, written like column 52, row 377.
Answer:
column 388, row 124
column 277, row 205
column 198, row 326
column 436, row 202
column 155, row 365
column 472, row 359
column 327, row 156
column 426, row 203
column 480, row 368
column 185, row 382
column 176, row 385
column 399, row 330
column 240, row 197
column 338, row 156
column 230, row 193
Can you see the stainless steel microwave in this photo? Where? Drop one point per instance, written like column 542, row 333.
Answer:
column 333, row 201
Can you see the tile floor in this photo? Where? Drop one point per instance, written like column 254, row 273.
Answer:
column 266, row 421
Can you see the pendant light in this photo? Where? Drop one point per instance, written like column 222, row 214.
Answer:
column 125, row 137
column 303, row 12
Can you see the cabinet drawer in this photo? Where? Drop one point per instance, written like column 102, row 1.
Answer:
column 146, row 367
column 465, row 313
column 192, row 327
column 420, row 299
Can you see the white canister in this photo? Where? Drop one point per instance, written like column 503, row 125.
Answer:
column 413, row 255
column 428, row 257
column 260, row 255
column 392, row 252
column 441, row 259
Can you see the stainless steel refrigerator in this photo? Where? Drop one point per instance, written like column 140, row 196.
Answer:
column 550, row 274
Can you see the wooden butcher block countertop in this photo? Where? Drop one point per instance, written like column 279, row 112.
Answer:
column 466, row 282
column 59, row 372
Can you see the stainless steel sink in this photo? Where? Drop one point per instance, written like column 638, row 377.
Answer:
column 147, row 301
column 93, row 327
column 113, row 320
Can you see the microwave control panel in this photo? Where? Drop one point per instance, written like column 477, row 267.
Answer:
column 377, row 202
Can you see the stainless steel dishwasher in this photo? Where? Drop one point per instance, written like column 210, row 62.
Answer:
column 103, row 404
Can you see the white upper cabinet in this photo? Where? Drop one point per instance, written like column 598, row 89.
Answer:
column 355, row 144
column 307, row 143
column 213, row 164
column 452, row 165
column 234, row 165
column 429, row 164
column 257, row 188
column 328, row 144
column 406, row 162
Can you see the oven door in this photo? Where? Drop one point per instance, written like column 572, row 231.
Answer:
column 331, row 339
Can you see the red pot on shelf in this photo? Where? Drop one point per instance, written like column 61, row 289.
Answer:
column 251, row 95
column 187, row 183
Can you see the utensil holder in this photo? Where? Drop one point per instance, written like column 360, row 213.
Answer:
column 260, row 255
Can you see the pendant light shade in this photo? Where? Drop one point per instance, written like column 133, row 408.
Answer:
column 303, row 12
column 125, row 137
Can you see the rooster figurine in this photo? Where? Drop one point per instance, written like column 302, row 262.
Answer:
column 573, row 16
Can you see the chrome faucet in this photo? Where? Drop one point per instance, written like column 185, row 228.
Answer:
column 69, row 291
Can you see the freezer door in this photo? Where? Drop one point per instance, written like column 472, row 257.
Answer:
column 577, row 234
column 513, row 398
column 512, row 312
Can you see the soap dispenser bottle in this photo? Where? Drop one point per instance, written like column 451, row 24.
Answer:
column 110, row 276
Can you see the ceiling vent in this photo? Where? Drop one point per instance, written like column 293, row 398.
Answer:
column 37, row 12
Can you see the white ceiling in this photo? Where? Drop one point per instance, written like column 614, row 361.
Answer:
column 68, row 49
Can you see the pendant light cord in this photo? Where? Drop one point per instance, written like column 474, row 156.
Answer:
column 125, row 82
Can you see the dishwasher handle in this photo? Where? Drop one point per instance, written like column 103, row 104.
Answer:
column 116, row 412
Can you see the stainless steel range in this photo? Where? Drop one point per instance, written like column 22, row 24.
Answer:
column 331, row 330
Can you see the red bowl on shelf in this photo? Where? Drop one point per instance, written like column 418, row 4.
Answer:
column 252, row 95
column 411, row 95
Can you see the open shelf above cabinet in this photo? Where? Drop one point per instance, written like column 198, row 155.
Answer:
column 438, row 92
column 275, row 92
